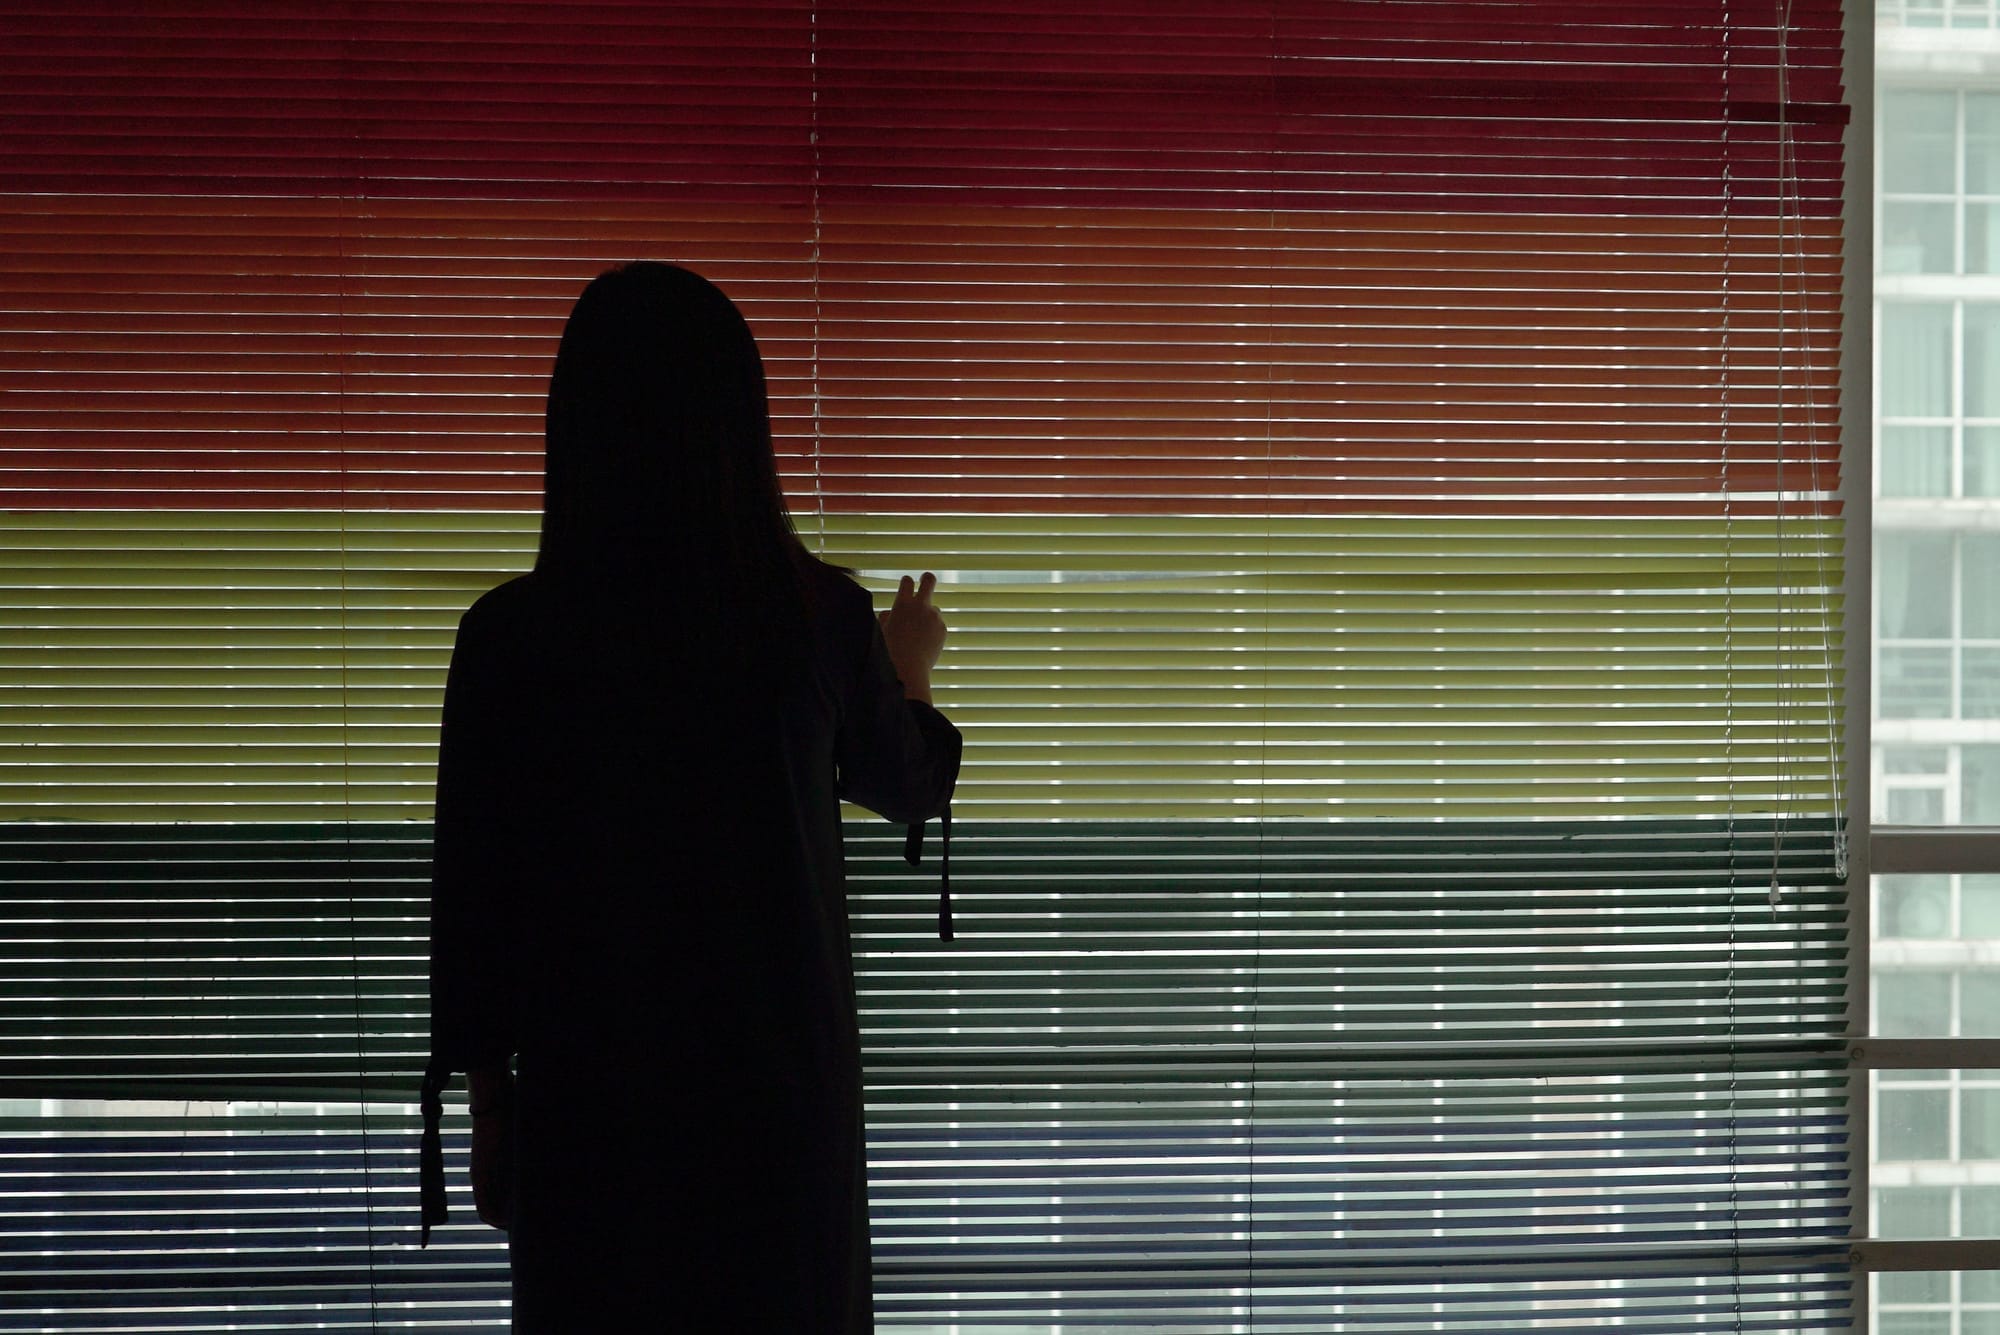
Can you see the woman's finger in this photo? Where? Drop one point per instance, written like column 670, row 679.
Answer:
column 924, row 589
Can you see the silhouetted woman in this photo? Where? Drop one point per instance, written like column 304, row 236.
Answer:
column 638, row 894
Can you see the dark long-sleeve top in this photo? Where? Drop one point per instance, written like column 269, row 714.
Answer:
column 638, row 853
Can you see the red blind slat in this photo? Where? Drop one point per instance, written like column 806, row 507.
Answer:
column 1075, row 258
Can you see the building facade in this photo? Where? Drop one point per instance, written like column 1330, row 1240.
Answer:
column 1936, row 709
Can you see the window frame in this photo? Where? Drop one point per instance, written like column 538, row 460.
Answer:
column 1883, row 849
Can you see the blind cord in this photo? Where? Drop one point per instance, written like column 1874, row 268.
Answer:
column 1791, row 224
column 1782, row 761
column 345, row 208
column 1791, row 245
column 1731, row 887
column 1264, row 689
column 819, row 488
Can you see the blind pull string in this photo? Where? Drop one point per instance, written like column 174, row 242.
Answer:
column 1264, row 658
column 819, row 486
column 1791, row 223
column 1781, row 558
column 1731, row 887
column 347, row 209
column 1789, row 245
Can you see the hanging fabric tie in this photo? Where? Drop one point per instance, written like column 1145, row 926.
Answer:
column 913, row 852
column 430, row 1153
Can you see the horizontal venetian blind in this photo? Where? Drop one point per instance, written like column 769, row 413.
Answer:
column 1175, row 397
column 1068, row 1123
column 1382, row 462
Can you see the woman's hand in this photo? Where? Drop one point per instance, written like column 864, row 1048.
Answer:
column 915, row 635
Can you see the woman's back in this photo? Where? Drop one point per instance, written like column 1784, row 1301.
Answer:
column 656, row 818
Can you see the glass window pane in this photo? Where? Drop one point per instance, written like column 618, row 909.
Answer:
column 1916, row 359
column 1917, row 133
column 1913, row 1124
column 1916, row 461
column 1979, row 1003
column 1915, row 806
column 1979, row 1124
column 1982, row 359
column 1913, row 1003
column 1982, row 238
column 1979, row 907
column 1911, row 1286
column 1982, row 461
column 1914, row 592
column 1917, row 237
column 1913, row 907
column 1913, row 683
column 1980, row 687
column 1933, row 760
column 1982, row 144
column 1979, row 1211
column 1913, row 1212
column 1979, row 797
column 1979, row 578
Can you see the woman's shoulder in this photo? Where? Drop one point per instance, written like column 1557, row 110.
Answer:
column 833, row 587
column 531, row 605
column 504, row 604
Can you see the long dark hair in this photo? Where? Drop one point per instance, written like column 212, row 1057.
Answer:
column 659, row 472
